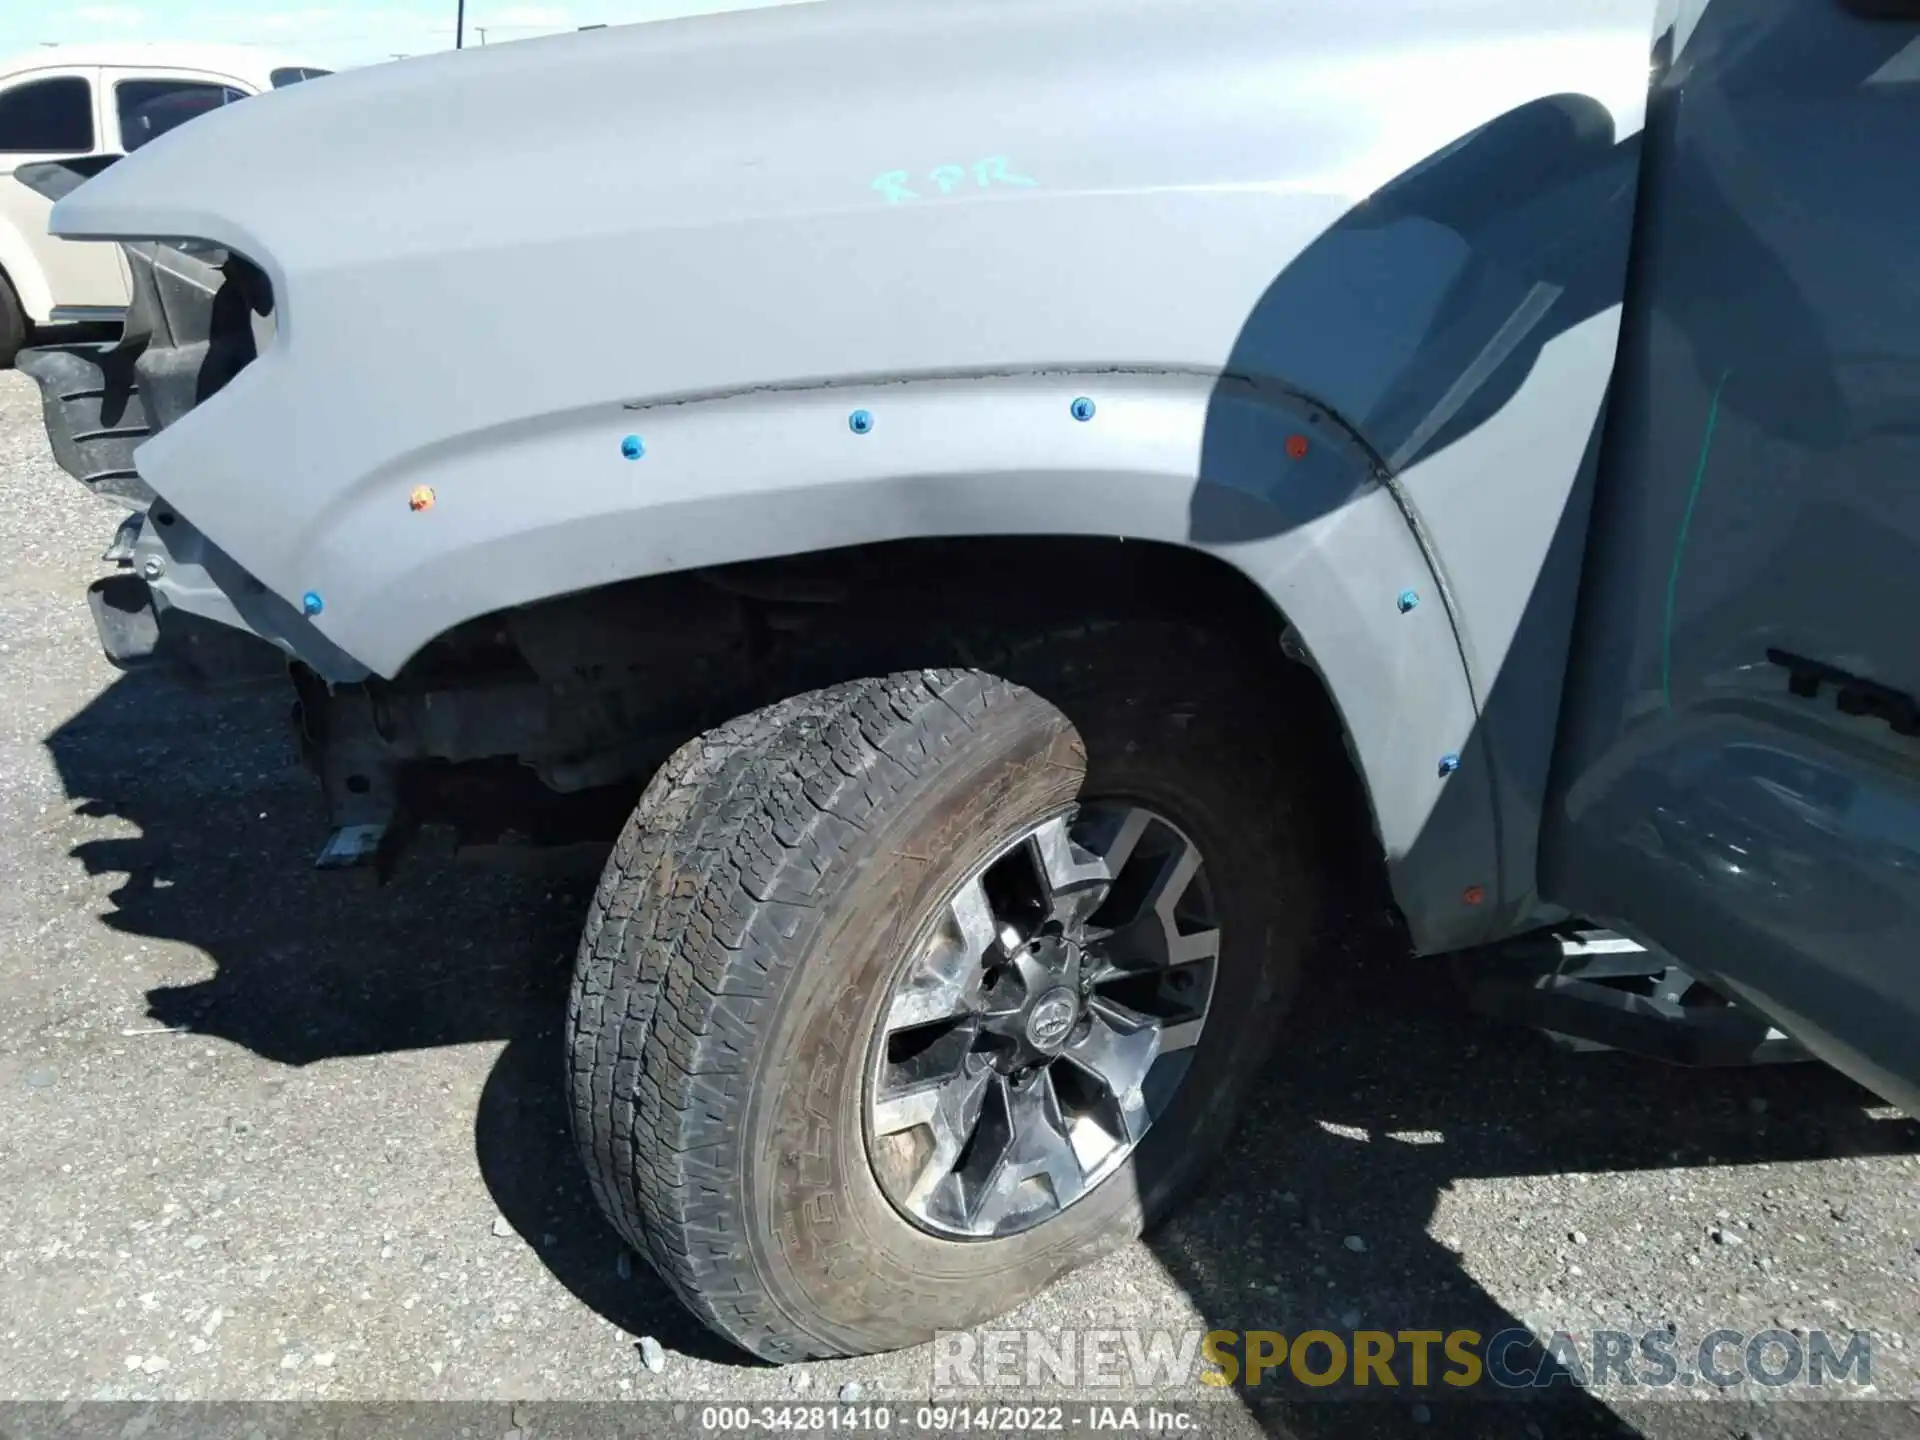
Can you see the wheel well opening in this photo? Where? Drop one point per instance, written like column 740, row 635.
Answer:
column 591, row 691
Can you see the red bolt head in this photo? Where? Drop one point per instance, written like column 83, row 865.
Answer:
column 1474, row 894
column 421, row 498
column 1296, row 447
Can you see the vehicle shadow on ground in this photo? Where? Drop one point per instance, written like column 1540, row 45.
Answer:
column 315, row 966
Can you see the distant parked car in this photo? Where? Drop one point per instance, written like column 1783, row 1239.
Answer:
column 94, row 103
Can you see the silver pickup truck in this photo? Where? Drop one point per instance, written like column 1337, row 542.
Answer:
column 1039, row 504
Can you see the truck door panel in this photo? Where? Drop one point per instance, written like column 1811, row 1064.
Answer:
column 1737, row 780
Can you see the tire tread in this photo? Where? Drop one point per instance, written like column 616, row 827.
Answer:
column 682, row 955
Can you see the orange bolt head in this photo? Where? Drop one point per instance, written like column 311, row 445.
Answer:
column 421, row 498
column 1296, row 447
column 1474, row 894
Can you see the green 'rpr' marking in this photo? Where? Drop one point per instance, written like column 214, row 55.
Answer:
column 894, row 185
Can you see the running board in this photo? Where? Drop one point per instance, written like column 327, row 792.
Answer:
column 1594, row 990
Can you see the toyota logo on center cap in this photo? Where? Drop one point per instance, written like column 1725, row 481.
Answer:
column 1050, row 1020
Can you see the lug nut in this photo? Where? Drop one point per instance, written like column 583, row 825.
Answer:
column 153, row 567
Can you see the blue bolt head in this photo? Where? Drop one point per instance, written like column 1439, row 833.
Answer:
column 1407, row 601
column 312, row 603
column 1449, row 764
column 1082, row 408
column 860, row 422
column 633, row 447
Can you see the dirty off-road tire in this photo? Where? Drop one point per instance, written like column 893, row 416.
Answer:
column 14, row 328
column 800, row 888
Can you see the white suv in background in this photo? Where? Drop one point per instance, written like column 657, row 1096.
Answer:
column 65, row 102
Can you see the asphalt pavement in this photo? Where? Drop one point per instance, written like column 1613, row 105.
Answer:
column 270, row 1134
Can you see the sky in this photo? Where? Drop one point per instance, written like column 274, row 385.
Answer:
column 334, row 33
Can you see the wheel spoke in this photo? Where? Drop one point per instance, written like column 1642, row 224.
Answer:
column 1119, row 848
column 1038, row 1150
column 898, row 1113
column 949, row 1111
column 973, row 919
column 934, row 992
column 1181, row 1034
column 1192, row 948
column 1076, row 879
column 1172, row 882
column 1152, row 939
column 943, row 980
column 1116, row 1052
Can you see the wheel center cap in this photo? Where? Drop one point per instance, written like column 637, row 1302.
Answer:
column 1051, row 1019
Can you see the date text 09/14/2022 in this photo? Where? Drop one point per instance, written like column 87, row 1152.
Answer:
column 948, row 1419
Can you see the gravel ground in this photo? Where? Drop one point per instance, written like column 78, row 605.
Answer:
column 268, row 1134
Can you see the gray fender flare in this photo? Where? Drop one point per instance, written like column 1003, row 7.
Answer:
column 1260, row 477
